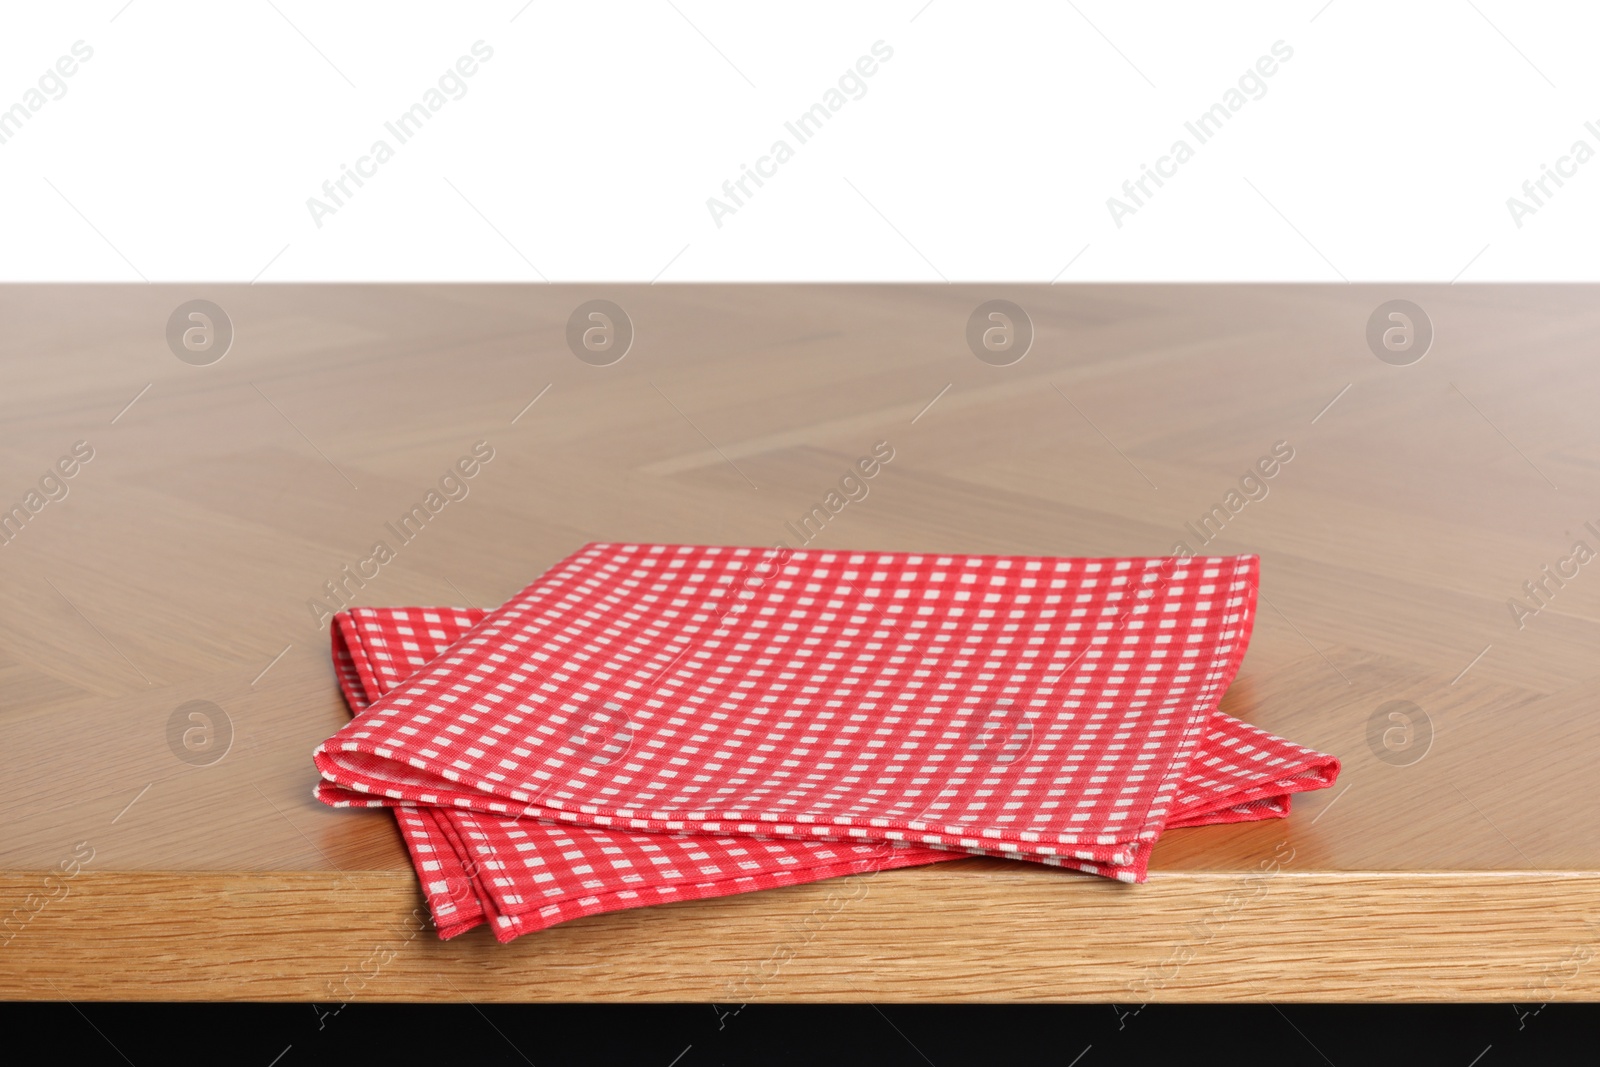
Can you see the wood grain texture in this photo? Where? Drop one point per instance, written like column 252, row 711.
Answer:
column 977, row 931
column 1460, row 860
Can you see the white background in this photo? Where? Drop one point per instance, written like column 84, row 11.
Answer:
column 985, row 149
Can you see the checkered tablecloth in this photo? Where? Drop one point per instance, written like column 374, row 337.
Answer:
column 648, row 723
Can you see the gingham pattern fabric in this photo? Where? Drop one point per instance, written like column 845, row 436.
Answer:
column 651, row 722
column 461, row 857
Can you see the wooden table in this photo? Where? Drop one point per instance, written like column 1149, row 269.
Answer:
column 1457, row 858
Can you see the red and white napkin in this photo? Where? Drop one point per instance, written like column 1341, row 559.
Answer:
column 648, row 723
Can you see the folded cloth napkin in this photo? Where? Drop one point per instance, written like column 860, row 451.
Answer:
column 647, row 723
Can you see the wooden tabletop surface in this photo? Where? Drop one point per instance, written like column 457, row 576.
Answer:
column 1429, row 616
